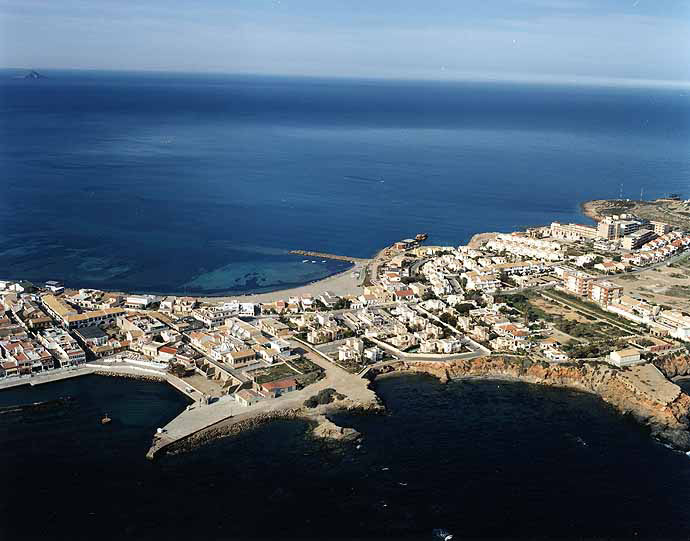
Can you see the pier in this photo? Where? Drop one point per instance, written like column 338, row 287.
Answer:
column 322, row 255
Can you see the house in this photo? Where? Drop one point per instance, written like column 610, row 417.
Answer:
column 273, row 389
column 139, row 302
column 241, row 358
column 247, row 397
column 403, row 295
column 274, row 327
column 625, row 357
column 167, row 353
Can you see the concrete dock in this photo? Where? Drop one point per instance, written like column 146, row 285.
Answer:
column 323, row 255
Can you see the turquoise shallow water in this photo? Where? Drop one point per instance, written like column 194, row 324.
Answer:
column 176, row 183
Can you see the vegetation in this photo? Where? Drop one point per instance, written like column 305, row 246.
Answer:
column 304, row 365
column 273, row 373
column 178, row 369
column 678, row 291
column 326, row 396
column 590, row 350
column 520, row 302
column 577, row 303
column 449, row 319
column 464, row 308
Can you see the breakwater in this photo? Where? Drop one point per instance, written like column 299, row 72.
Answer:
column 323, row 255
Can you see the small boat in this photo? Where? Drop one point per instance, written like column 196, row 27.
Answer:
column 106, row 420
column 305, row 261
column 440, row 533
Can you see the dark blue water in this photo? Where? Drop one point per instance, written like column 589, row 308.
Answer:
column 175, row 183
column 482, row 459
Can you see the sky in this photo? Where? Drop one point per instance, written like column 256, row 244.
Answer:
column 644, row 40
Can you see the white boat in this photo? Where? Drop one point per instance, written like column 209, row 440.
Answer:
column 305, row 261
column 440, row 533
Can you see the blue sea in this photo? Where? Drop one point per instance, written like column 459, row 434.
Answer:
column 200, row 184
column 482, row 459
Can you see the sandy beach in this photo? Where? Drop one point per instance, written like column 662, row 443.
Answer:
column 480, row 238
column 343, row 283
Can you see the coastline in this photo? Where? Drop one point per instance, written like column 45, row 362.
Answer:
column 669, row 422
column 340, row 283
column 590, row 209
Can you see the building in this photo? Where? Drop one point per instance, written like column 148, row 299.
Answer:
column 273, row 389
column 578, row 282
column 607, row 229
column 215, row 315
column 625, row 357
column 637, row 239
column 660, row 228
column 627, row 227
column 605, row 293
column 69, row 318
column 405, row 244
column 572, row 232
column 139, row 302
column 92, row 336
column 62, row 346
column 274, row 327
column 247, row 397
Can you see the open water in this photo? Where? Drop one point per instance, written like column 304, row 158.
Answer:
column 481, row 459
column 201, row 183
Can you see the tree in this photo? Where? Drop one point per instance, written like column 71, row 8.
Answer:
column 178, row 369
column 428, row 295
column 449, row 319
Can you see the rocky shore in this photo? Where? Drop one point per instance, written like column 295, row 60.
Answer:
column 667, row 422
column 674, row 366
column 322, row 427
column 126, row 375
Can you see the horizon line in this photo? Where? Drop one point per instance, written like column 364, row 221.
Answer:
column 470, row 77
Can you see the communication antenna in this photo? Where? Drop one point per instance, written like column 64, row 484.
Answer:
column 641, row 193
column 621, row 197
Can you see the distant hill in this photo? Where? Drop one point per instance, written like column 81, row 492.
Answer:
column 33, row 74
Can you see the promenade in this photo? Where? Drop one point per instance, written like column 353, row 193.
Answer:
column 107, row 368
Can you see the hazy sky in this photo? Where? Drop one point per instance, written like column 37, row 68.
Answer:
column 641, row 39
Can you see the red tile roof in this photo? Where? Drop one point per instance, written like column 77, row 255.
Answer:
column 280, row 384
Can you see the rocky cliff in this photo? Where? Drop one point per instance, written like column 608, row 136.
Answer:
column 668, row 422
column 673, row 366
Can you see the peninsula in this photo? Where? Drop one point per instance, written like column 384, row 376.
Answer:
column 601, row 309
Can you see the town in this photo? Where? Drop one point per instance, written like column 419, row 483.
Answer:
column 613, row 293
